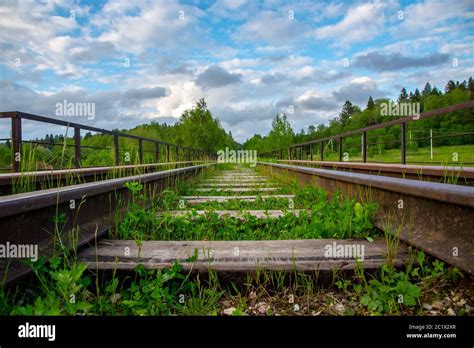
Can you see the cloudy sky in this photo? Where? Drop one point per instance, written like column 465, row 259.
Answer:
column 149, row 60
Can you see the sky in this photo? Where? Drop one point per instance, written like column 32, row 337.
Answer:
column 143, row 61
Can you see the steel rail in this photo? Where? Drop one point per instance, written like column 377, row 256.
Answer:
column 463, row 175
column 84, row 174
column 74, row 215
column 435, row 217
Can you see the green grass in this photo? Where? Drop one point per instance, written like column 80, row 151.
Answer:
column 61, row 287
column 325, row 218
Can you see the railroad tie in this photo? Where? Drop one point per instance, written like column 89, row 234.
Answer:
column 238, row 189
column 239, row 256
column 239, row 214
column 204, row 199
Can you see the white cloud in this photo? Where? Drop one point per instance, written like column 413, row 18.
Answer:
column 362, row 22
column 425, row 18
column 273, row 27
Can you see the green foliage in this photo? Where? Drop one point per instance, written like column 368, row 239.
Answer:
column 153, row 292
column 63, row 289
column 351, row 118
column 387, row 294
column 324, row 218
column 137, row 219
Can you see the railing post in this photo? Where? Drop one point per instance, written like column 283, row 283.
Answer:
column 157, row 152
column 167, row 153
column 340, row 149
column 176, row 154
column 16, row 143
column 311, row 150
column 140, row 151
column 322, row 150
column 364, row 147
column 116, row 149
column 77, row 147
column 403, row 142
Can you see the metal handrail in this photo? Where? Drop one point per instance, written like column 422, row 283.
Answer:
column 292, row 149
column 16, row 138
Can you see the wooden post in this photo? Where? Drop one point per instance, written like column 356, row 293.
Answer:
column 167, row 153
column 403, row 141
column 364, row 147
column 116, row 149
column 311, row 151
column 16, row 143
column 77, row 147
column 176, row 154
column 140, row 151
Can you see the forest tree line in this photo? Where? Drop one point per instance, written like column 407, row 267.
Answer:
column 197, row 128
column 352, row 117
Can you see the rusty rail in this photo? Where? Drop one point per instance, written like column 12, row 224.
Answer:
column 447, row 174
column 61, row 177
column 435, row 217
column 74, row 215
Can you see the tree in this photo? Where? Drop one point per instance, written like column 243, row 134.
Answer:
column 427, row 90
column 198, row 129
column 370, row 104
column 403, row 95
column 436, row 91
column 346, row 112
column 417, row 95
column 281, row 134
column 450, row 86
column 470, row 86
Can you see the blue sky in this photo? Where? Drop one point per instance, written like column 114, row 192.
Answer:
column 140, row 61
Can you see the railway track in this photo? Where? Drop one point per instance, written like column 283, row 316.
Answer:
column 236, row 256
column 435, row 217
column 27, row 219
column 443, row 174
column 74, row 215
column 39, row 180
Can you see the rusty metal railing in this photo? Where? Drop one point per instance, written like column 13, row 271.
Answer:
column 180, row 152
column 306, row 149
